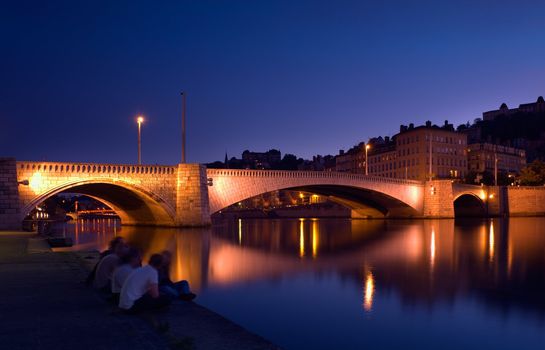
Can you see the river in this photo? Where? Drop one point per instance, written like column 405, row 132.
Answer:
column 352, row 284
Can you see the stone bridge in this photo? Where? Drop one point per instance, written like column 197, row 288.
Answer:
column 367, row 196
column 187, row 194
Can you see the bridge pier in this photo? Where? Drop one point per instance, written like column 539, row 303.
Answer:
column 9, row 195
column 438, row 199
column 192, row 206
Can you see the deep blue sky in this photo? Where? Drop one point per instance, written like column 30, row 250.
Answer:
column 306, row 77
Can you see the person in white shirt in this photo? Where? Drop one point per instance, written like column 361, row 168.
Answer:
column 129, row 263
column 106, row 267
column 140, row 291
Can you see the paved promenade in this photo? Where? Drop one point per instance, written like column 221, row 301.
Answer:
column 46, row 306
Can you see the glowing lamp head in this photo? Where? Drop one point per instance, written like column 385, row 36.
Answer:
column 367, row 146
column 140, row 120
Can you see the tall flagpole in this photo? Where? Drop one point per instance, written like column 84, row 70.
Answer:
column 183, row 126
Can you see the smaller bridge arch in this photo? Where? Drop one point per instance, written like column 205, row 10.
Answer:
column 470, row 200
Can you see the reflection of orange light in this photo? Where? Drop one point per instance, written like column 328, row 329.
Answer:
column 301, row 237
column 239, row 231
column 432, row 248
column 491, row 242
column 482, row 240
column 314, row 238
column 369, row 292
column 509, row 257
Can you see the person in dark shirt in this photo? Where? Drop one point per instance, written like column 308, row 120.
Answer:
column 174, row 290
column 111, row 248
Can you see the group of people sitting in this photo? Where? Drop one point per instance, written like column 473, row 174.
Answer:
column 120, row 276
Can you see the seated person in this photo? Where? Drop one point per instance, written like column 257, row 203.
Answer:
column 174, row 290
column 111, row 248
column 129, row 263
column 140, row 291
column 106, row 267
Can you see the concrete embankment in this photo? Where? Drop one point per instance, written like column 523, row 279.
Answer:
column 45, row 305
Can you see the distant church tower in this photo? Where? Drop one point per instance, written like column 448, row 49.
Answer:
column 226, row 161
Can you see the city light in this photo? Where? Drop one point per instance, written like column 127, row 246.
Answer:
column 140, row 120
column 36, row 182
column 367, row 147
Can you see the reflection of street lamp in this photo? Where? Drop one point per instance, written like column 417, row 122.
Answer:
column 367, row 146
column 140, row 120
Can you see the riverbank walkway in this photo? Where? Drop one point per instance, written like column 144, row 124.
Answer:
column 45, row 305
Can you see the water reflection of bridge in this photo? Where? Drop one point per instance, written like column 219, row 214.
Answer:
column 424, row 261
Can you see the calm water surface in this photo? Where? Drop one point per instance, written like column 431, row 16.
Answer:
column 354, row 284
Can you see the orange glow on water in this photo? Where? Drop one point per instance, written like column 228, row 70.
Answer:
column 315, row 238
column 369, row 291
column 239, row 231
column 432, row 248
column 491, row 242
column 301, row 238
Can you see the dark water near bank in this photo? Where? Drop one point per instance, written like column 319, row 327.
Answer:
column 325, row 284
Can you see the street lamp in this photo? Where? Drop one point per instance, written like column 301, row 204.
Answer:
column 183, row 125
column 140, row 120
column 367, row 146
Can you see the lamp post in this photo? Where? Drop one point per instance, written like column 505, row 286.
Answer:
column 495, row 169
column 140, row 120
column 183, row 125
column 367, row 146
column 431, row 159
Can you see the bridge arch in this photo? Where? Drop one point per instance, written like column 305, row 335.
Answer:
column 469, row 204
column 134, row 204
column 367, row 196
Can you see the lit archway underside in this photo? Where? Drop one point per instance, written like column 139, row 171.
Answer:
column 134, row 206
column 364, row 203
column 469, row 205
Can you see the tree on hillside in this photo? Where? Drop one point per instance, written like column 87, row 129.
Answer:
column 533, row 174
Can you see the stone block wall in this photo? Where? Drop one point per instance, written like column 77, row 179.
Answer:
column 438, row 199
column 9, row 195
column 526, row 201
column 192, row 206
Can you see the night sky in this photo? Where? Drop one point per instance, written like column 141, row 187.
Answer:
column 305, row 77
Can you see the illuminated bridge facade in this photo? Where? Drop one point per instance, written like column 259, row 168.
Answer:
column 187, row 194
